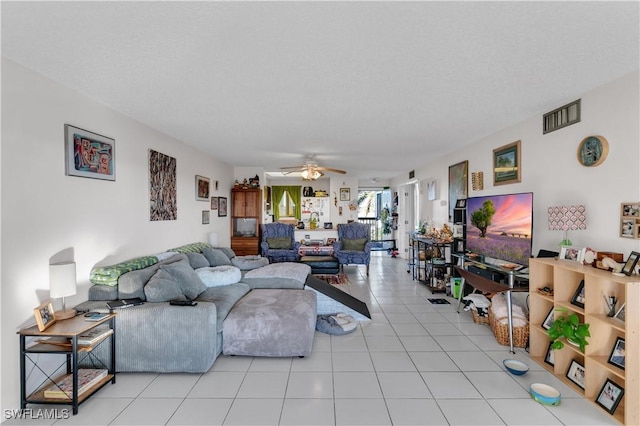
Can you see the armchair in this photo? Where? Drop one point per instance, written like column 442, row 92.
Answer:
column 278, row 242
column 354, row 244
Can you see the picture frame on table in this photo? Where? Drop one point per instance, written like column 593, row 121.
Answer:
column 617, row 356
column 630, row 264
column 574, row 254
column 45, row 315
column 202, row 188
column 548, row 358
column 507, row 167
column 578, row 296
column 548, row 321
column 610, row 396
column 88, row 154
column 222, row 206
column 576, row 373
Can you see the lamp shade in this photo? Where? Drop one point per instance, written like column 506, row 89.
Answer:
column 563, row 218
column 213, row 239
column 62, row 279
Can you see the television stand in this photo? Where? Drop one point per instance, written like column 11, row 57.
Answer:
column 485, row 283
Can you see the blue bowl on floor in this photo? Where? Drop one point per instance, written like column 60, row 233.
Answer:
column 545, row 394
column 515, row 367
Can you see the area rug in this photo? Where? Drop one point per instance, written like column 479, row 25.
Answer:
column 335, row 279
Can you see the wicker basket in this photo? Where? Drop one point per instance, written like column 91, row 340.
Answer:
column 477, row 318
column 501, row 331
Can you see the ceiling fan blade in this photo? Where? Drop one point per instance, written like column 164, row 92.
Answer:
column 293, row 168
column 329, row 169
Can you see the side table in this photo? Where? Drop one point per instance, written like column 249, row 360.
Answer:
column 62, row 339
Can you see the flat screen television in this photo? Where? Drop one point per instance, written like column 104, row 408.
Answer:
column 500, row 226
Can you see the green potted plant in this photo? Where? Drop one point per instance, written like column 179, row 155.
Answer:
column 568, row 328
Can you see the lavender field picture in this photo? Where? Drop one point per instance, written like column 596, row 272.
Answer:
column 500, row 226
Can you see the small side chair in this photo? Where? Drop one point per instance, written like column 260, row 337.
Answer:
column 354, row 244
column 278, row 243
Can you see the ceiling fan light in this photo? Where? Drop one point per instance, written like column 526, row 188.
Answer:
column 310, row 174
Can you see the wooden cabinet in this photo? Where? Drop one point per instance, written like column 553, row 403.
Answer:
column 245, row 221
column 564, row 277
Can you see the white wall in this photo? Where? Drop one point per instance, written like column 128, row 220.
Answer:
column 46, row 214
column 551, row 171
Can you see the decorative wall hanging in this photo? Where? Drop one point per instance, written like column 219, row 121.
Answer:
column 477, row 181
column 561, row 117
column 205, row 217
column 214, row 203
column 222, row 206
column 506, row 164
column 458, row 184
column 202, row 188
column 431, row 190
column 593, row 150
column 89, row 154
column 162, row 187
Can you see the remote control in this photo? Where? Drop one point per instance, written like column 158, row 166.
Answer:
column 183, row 303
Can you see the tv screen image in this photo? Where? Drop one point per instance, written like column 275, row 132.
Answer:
column 500, row 226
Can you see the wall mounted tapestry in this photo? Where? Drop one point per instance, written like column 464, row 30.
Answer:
column 162, row 187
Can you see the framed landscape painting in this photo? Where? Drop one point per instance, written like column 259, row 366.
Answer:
column 506, row 164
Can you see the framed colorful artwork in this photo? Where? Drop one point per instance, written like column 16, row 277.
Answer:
column 202, row 188
column 88, row 154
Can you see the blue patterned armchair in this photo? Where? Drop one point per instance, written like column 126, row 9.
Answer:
column 354, row 244
column 279, row 243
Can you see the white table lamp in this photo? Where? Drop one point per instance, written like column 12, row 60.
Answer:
column 62, row 283
column 213, row 239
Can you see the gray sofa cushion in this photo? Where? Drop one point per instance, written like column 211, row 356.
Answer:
column 227, row 250
column 162, row 287
column 224, row 297
column 103, row 292
column 197, row 260
column 216, row 257
column 184, row 274
column 289, row 283
column 132, row 283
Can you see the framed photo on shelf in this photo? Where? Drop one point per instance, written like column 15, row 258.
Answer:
column 222, row 206
column 202, row 188
column 506, row 164
column 89, row 154
column 575, row 254
column 548, row 358
column 575, row 373
column 548, row 320
column 631, row 263
column 44, row 315
column 617, row 356
column 578, row 296
column 621, row 312
column 610, row 396
column 461, row 203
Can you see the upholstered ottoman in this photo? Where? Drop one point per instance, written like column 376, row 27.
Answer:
column 271, row 322
column 321, row 264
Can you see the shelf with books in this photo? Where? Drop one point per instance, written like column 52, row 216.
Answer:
column 64, row 338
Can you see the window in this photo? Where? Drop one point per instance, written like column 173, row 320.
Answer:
column 286, row 206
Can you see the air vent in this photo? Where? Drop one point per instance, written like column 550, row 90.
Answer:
column 561, row 117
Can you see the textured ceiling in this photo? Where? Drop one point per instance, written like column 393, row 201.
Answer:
column 375, row 88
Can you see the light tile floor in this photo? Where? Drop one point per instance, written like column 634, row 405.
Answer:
column 414, row 364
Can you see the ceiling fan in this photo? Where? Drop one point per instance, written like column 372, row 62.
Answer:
column 310, row 170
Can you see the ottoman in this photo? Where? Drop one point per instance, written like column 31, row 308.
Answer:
column 322, row 264
column 271, row 322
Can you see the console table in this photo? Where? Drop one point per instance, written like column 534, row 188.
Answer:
column 489, row 286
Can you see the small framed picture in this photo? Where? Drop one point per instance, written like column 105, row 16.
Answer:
column 461, row 203
column 548, row 358
column 202, row 188
column 222, row 206
column 575, row 373
column 578, row 296
column 630, row 209
column 627, row 228
column 617, row 354
column 620, row 314
column 328, row 225
column 205, row 217
column 548, row 320
column 506, row 164
column 631, row 263
column 45, row 316
column 214, row 203
column 610, row 396
column 345, row 194
column 575, row 254
column 330, row 241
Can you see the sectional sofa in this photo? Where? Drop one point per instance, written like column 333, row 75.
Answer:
column 272, row 313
